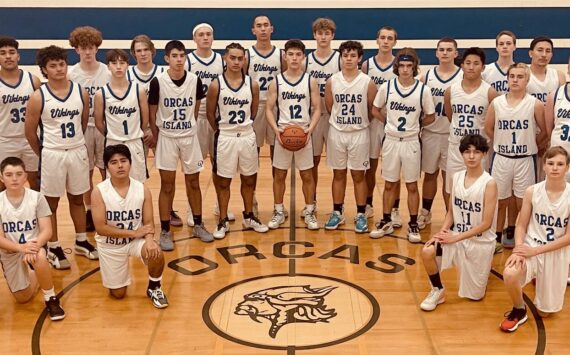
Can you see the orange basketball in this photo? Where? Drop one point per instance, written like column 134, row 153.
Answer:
column 293, row 138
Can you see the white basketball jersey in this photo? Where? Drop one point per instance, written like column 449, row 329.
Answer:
column 122, row 114
column 90, row 82
column 350, row 102
column 20, row 224
column 403, row 108
column 469, row 110
column 515, row 127
column 438, row 87
column 207, row 69
column 541, row 89
column 143, row 79
column 14, row 99
column 561, row 132
column 378, row 74
column 496, row 77
column 549, row 219
column 123, row 213
column 234, row 106
column 263, row 69
column 321, row 71
column 468, row 206
column 60, row 119
column 293, row 101
column 175, row 115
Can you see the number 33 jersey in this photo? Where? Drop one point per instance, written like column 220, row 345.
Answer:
column 14, row 100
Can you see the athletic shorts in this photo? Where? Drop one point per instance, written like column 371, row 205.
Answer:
column 20, row 148
column 473, row 260
column 235, row 153
column 376, row 137
column 114, row 260
column 170, row 150
column 205, row 135
column 282, row 158
column 95, row 143
column 513, row 175
column 401, row 157
column 320, row 134
column 138, row 165
column 16, row 272
column 348, row 149
column 64, row 170
column 435, row 146
column 263, row 131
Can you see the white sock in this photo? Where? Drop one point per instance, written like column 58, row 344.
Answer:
column 52, row 245
column 155, row 279
column 87, row 207
column 310, row 208
column 279, row 207
column 81, row 237
column 48, row 294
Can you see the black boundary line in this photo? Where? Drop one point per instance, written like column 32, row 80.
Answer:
column 292, row 224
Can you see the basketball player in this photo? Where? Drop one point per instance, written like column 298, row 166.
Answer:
column 231, row 106
column 543, row 79
column 61, row 107
column 467, row 237
column 321, row 64
column 512, row 121
column 556, row 115
column 91, row 75
column 435, row 137
column 292, row 93
column 122, row 212
column 174, row 103
column 542, row 239
column 496, row 74
column 26, row 227
column 348, row 97
column 405, row 99
column 380, row 69
column 16, row 87
column 121, row 110
column 143, row 50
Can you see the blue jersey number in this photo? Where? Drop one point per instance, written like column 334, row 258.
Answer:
column 237, row 117
column 402, row 123
column 264, row 83
column 18, row 115
column 295, row 111
column 565, row 136
column 180, row 114
column 67, row 130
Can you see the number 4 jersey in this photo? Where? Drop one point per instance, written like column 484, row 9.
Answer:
column 20, row 223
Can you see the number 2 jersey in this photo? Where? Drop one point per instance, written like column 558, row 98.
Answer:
column 20, row 223
column 549, row 219
column 234, row 106
column 561, row 132
column 293, row 101
column 13, row 102
column 122, row 114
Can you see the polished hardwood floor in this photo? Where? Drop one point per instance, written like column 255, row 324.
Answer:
column 287, row 291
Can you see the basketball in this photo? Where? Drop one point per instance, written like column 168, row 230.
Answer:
column 293, row 138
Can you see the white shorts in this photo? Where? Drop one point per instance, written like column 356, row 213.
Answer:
column 205, row 135
column 263, row 131
column 186, row 149
column 235, row 153
column 473, row 260
column 282, row 157
column 348, row 149
column 95, row 143
column 138, row 165
column 513, row 175
column 551, row 273
column 20, row 148
column 454, row 164
column 64, row 169
column 320, row 134
column 16, row 272
column 376, row 137
column 401, row 156
column 114, row 260
column 435, row 146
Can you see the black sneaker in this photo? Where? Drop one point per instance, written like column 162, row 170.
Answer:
column 57, row 259
column 87, row 250
column 54, row 309
column 90, row 227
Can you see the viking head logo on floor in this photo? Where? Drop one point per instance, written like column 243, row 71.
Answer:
column 287, row 304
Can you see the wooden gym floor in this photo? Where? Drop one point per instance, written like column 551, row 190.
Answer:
column 285, row 292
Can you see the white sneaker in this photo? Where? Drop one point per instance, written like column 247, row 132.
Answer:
column 221, row 229
column 436, row 296
column 424, row 218
column 311, row 221
column 395, row 216
column 382, row 228
column 190, row 218
column 414, row 235
column 304, row 211
column 231, row 216
column 255, row 224
column 277, row 219
column 369, row 211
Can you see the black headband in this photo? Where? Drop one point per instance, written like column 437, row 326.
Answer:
column 405, row 58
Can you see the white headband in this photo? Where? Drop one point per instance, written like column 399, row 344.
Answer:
column 203, row 24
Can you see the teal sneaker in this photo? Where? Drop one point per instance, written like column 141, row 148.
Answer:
column 335, row 220
column 361, row 223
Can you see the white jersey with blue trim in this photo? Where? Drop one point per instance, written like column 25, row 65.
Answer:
column 561, row 132
column 468, row 111
column 549, row 218
column 175, row 115
column 14, row 99
column 515, row 127
column 20, row 223
column 263, row 69
column 378, row 74
column 234, row 106
column 60, row 119
column 438, row 87
column 496, row 77
column 90, row 82
column 541, row 89
column 322, row 71
column 122, row 114
column 469, row 206
column 143, row 79
column 293, row 101
column 350, row 102
column 207, row 69
column 404, row 107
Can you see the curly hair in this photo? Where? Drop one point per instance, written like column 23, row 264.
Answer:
column 46, row 54
column 85, row 36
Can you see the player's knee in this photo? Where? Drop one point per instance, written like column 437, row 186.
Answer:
column 118, row 293
column 339, row 174
column 412, row 187
column 316, row 160
column 430, row 177
column 357, row 175
column 280, row 174
column 75, row 200
column 511, row 274
column 428, row 252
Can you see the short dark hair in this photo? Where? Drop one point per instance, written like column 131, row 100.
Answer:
column 539, row 39
column 474, row 51
column 13, row 161
column 116, row 54
column 9, row 42
column 388, row 28
column 258, row 16
column 403, row 55
column 476, row 140
column 506, row 33
column 174, row 44
column 234, row 45
column 46, row 54
column 348, row 46
column 447, row 40
column 295, row 44
column 111, row 150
